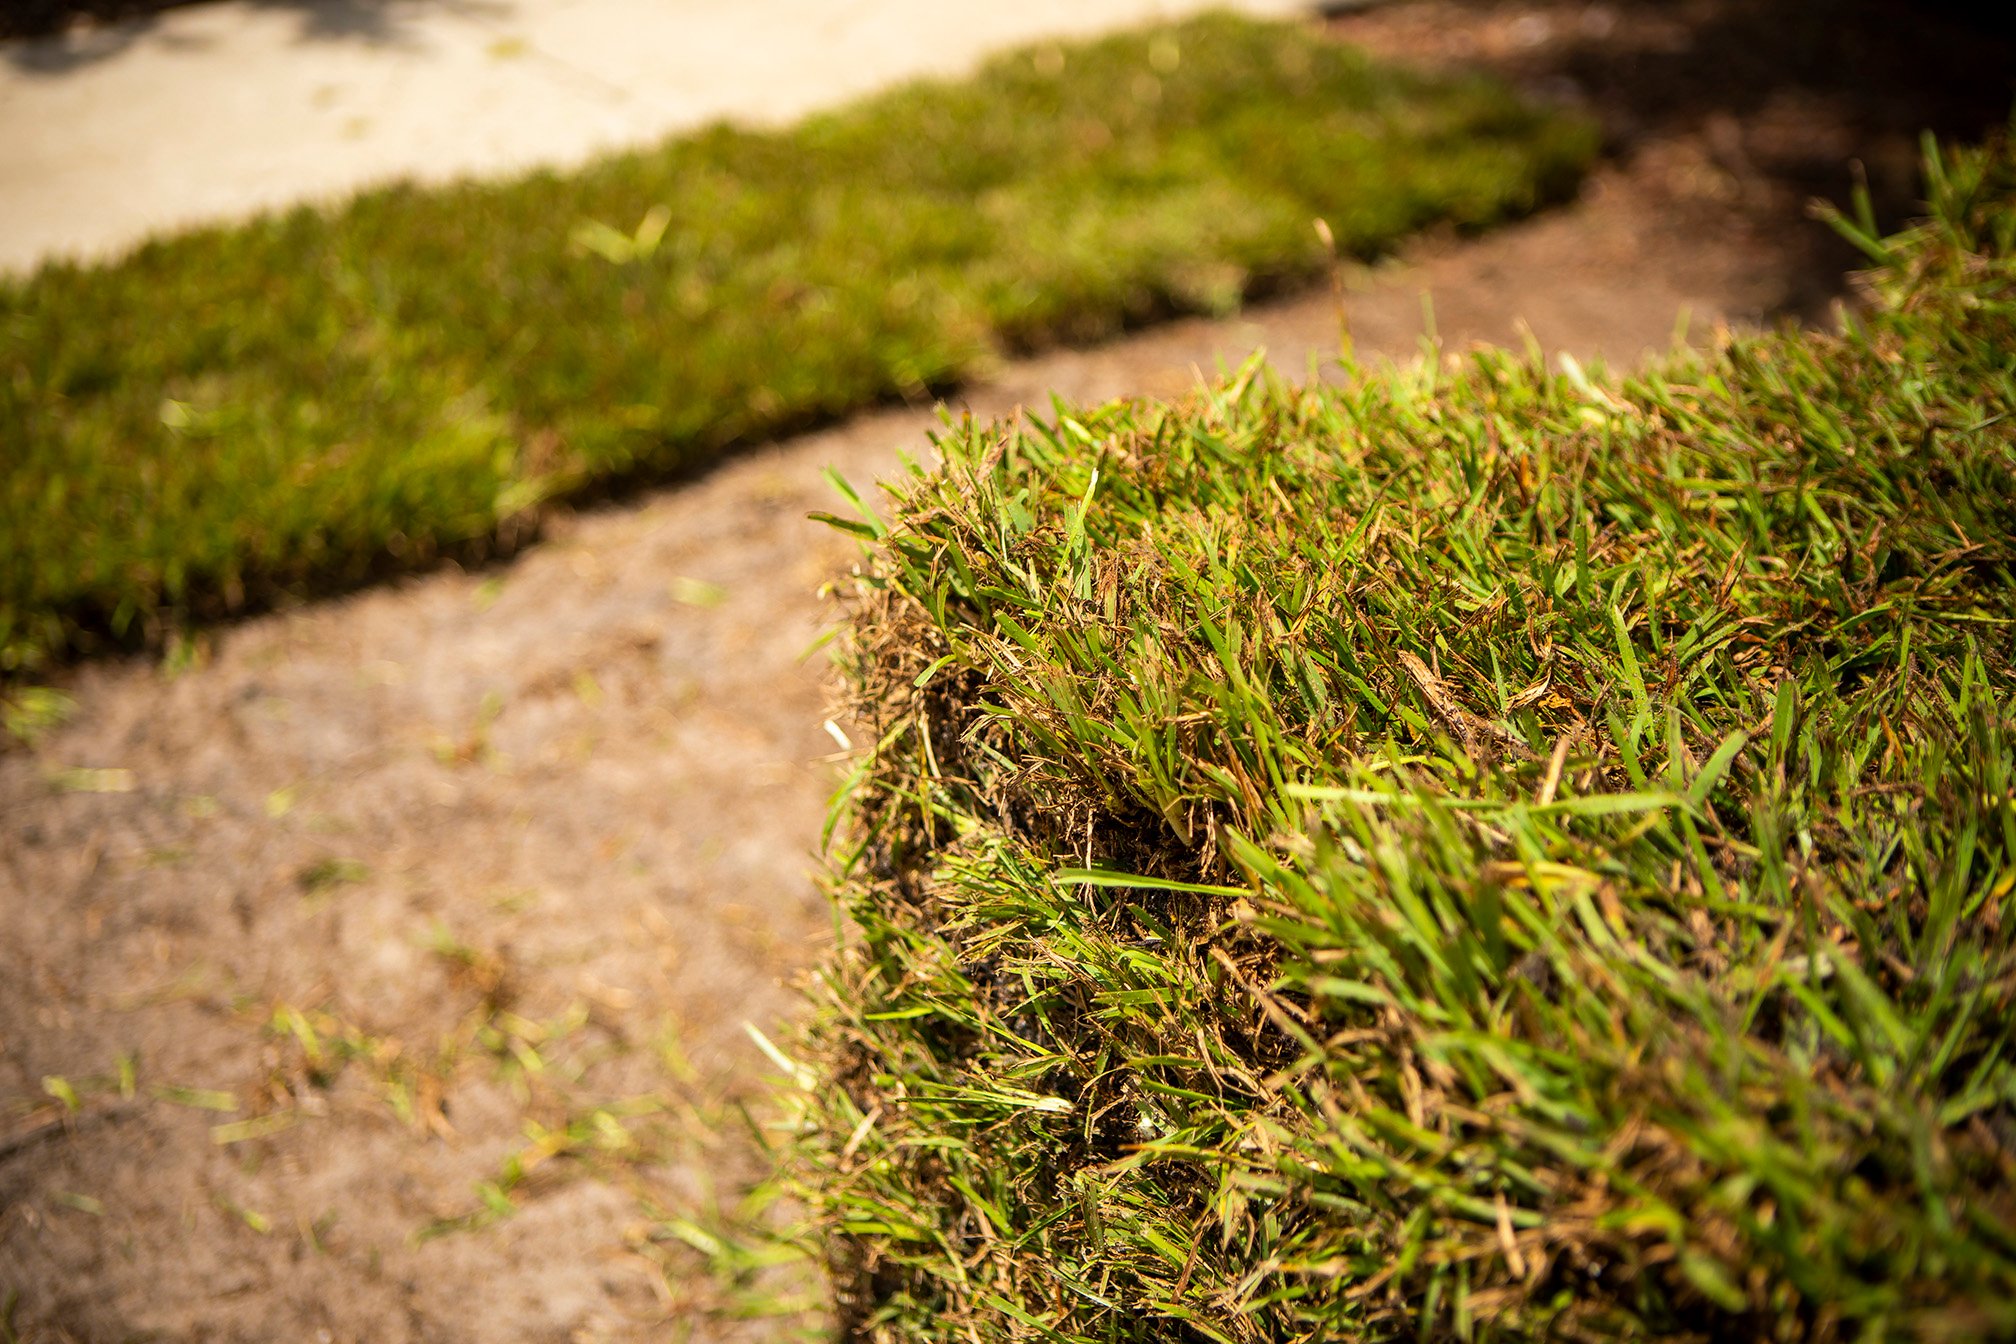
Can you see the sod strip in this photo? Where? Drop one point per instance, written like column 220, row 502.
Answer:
column 234, row 413
column 1480, row 854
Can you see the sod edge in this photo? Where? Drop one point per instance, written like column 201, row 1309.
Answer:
column 1476, row 853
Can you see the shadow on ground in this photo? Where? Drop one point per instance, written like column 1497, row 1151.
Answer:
column 1741, row 112
column 72, row 33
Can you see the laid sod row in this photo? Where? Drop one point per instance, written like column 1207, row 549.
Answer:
column 1479, row 854
column 236, row 413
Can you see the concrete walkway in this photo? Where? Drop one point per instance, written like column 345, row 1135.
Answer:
column 220, row 110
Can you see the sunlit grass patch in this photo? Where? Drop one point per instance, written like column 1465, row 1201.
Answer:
column 1475, row 853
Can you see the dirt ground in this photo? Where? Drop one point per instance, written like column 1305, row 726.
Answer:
column 317, row 933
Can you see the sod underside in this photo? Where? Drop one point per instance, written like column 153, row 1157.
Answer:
column 1491, row 853
column 237, row 413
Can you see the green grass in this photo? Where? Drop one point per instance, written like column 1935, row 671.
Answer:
column 1489, row 853
column 240, row 413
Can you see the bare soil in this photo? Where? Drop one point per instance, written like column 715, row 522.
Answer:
column 325, row 919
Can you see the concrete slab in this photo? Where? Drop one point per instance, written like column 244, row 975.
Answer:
column 220, row 110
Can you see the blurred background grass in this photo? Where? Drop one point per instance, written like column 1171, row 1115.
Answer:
column 239, row 413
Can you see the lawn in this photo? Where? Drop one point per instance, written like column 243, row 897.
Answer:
column 238, row 415
column 1502, row 852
